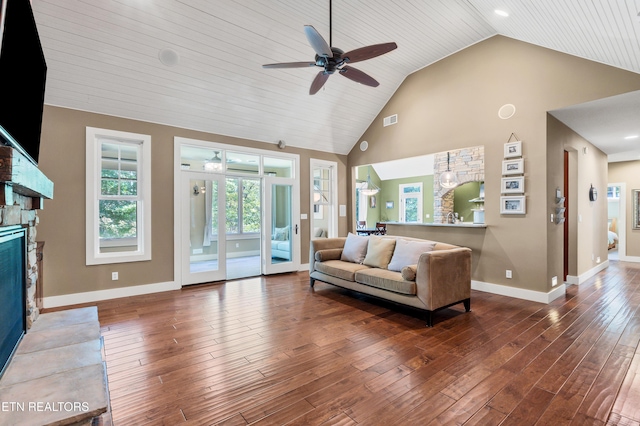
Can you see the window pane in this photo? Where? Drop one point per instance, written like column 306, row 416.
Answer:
column 118, row 219
column 411, row 209
column 250, row 205
column 109, row 187
column 280, row 167
column 243, row 163
column 232, row 206
column 128, row 187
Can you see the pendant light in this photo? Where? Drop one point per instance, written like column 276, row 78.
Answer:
column 448, row 179
column 369, row 188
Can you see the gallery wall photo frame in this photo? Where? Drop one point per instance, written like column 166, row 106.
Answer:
column 513, row 149
column 513, row 204
column 635, row 194
column 513, row 167
column 512, row 185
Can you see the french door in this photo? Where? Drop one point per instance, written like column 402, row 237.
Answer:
column 282, row 248
column 203, row 231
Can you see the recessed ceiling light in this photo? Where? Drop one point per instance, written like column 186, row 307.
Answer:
column 631, row 137
column 501, row 12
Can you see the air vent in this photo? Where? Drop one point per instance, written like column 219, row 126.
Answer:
column 388, row 121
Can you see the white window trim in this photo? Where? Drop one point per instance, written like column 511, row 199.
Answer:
column 93, row 255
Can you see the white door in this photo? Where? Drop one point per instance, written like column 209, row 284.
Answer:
column 203, row 227
column 282, row 226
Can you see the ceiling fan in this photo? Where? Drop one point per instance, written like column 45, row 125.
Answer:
column 332, row 59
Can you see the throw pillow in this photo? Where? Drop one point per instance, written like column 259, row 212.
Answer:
column 281, row 234
column 409, row 272
column 408, row 252
column 355, row 248
column 379, row 251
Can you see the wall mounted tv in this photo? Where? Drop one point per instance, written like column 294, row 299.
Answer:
column 23, row 73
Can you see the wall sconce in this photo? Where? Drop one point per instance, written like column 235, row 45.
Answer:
column 197, row 190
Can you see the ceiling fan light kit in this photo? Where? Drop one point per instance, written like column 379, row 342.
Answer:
column 332, row 59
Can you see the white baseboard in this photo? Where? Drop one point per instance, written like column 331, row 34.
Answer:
column 520, row 293
column 577, row 280
column 94, row 296
column 634, row 259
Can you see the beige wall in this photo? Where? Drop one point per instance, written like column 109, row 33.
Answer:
column 587, row 220
column 454, row 103
column 62, row 222
column 628, row 172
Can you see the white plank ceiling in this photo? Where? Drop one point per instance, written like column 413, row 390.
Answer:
column 104, row 56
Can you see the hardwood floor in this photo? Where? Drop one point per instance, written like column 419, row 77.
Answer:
column 273, row 351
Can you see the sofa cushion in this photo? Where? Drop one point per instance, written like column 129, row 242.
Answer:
column 340, row 269
column 328, row 254
column 379, row 251
column 386, row 280
column 408, row 252
column 409, row 272
column 355, row 248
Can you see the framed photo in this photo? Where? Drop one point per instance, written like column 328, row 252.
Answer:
column 389, row 204
column 513, row 167
column 513, row 205
column 635, row 194
column 512, row 185
column 372, row 201
column 513, row 149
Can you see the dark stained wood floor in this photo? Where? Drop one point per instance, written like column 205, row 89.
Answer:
column 272, row 351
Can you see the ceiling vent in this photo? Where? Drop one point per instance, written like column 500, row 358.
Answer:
column 388, row 121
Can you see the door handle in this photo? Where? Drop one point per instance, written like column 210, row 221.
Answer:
column 296, row 229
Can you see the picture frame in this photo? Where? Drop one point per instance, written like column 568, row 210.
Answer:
column 635, row 194
column 389, row 204
column 513, row 167
column 512, row 185
column 513, row 204
column 372, row 201
column 513, row 149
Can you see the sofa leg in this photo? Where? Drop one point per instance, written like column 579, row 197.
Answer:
column 312, row 281
column 430, row 319
column 467, row 305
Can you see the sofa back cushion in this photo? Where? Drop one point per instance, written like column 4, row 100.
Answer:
column 379, row 251
column 355, row 248
column 408, row 252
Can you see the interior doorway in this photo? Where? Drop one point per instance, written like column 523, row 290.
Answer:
column 616, row 219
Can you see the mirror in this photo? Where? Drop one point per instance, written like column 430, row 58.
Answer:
column 410, row 189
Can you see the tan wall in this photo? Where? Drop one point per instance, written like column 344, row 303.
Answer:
column 62, row 222
column 587, row 220
column 628, row 172
column 454, row 103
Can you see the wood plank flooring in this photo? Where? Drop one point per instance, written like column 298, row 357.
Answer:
column 271, row 351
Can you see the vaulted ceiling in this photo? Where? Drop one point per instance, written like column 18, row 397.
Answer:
column 196, row 64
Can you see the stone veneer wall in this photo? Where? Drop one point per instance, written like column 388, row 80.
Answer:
column 22, row 213
column 468, row 163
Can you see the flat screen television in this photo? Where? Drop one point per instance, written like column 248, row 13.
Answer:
column 23, row 73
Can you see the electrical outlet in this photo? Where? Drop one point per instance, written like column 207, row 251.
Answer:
column 114, row 276
column 237, row 245
column 509, row 273
column 598, row 259
column 554, row 280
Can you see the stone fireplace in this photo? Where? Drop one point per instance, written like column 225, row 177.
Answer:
column 23, row 188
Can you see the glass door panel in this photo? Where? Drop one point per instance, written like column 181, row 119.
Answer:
column 203, row 232
column 281, row 250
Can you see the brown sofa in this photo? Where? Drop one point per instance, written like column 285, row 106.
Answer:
column 439, row 277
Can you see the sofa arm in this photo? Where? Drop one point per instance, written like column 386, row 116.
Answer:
column 323, row 244
column 443, row 277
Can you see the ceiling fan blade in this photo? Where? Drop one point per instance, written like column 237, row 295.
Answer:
column 358, row 76
column 317, row 42
column 368, row 52
column 318, row 82
column 290, row 65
